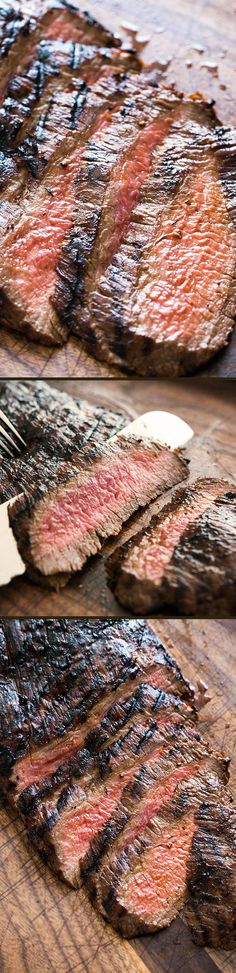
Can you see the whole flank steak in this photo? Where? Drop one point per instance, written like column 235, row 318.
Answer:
column 186, row 557
column 119, row 191
column 101, row 755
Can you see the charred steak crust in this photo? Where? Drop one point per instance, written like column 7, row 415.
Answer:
column 55, row 427
column 185, row 557
column 211, row 907
column 46, row 661
column 101, row 757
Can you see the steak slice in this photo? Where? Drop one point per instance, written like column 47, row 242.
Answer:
column 58, row 529
column 55, row 428
column 117, row 156
column 22, row 26
column 33, row 229
column 211, row 907
column 106, row 700
column 55, row 64
column 149, row 297
column 185, row 558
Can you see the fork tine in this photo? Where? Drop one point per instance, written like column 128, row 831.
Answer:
column 9, row 439
column 10, row 426
column 5, row 449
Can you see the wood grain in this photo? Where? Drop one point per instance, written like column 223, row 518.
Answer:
column 210, row 25
column 47, row 928
column 210, row 409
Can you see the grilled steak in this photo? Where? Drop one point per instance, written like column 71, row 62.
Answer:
column 101, row 757
column 185, row 558
column 62, row 523
column 178, row 192
column 59, row 70
column 118, row 191
column 55, row 428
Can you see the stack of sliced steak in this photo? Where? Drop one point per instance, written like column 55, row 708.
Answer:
column 185, row 559
column 101, row 756
column 117, row 213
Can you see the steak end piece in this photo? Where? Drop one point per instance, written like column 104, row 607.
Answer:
column 60, row 530
column 185, row 558
column 211, row 906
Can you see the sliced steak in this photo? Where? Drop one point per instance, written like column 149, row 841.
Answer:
column 78, row 821
column 101, row 758
column 58, row 529
column 46, row 661
column 185, row 558
column 211, row 907
column 55, row 428
column 22, row 26
column 148, row 296
column 142, row 887
column 34, row 228
column 57, row 65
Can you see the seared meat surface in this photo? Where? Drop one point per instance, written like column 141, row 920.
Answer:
column 120, row 192
column 185, row 559
column 101, row 756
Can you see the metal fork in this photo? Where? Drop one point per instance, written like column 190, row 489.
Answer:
column 10, row 444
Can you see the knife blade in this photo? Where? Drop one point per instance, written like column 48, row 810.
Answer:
column 160, row 427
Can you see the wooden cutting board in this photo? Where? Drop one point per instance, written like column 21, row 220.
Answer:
column 47, row 928
column 209, row 408
column 194, row 44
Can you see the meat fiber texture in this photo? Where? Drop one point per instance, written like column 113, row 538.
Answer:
column 101, row 756
column 185, row 559
column 55, row 428
column 120, row 192
column 60, row 524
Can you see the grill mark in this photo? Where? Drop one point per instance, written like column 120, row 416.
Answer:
column 77, row 105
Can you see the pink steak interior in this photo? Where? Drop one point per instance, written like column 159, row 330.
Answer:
column 124, row 190
column 33, row 246
column 68, row 517
column 158, row 882
column 192, row 252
